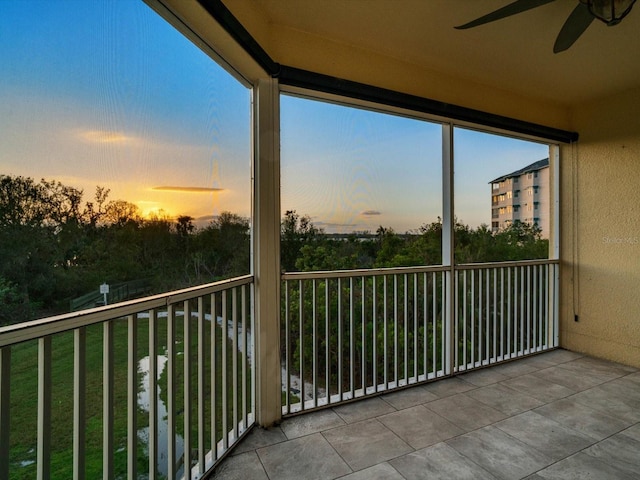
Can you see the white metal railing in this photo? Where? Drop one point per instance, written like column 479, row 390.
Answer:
column 349, row 334
column 504, row 310
column 128, row 390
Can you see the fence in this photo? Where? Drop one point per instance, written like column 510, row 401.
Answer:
column 162, row 386
column 349, row 334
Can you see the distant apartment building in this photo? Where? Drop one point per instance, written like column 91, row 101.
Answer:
column 522, row 195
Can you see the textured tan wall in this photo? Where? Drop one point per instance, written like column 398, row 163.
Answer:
column 601, row 231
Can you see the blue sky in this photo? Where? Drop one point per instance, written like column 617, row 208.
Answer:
column 352, row 169
column 108, row 93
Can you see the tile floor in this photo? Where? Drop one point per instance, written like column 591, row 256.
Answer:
column 557, row 415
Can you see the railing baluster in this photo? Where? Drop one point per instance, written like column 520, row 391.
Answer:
column 252, row 349
column 107, row 401
column 482, row 317
column 534, row 300
column 502, row 336
column 443, row 323
column 509, row 310
column 44, row 408
column 434, row 319
column 132, row 397
column 363, row 340
column 201, row 386
column 186, row 392
column 385, row 352
column 153, row 394
column 374, row 339
column 516, row 319
column 528, row 296
column 522, row 307
column 5, row 409
column 395, row 331
column 340, row 346
column 301, row 342
column 245, row 354
column 405, row 323
column 494, row 353
column 234, row 361
column 352, row 341
column 473, row 317
column 79, row 402
column 546, row 307
column 287, row 349
column 214, row 375
column 425, row 323
column 464, row 317
column 171, row 392
column 327, row 350
column 415, row 327
column 314, row 329
column 224, row 339
column 484, row 359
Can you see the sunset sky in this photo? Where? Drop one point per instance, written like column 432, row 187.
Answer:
column 96, row 93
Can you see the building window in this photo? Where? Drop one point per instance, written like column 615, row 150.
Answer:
column 510, row 194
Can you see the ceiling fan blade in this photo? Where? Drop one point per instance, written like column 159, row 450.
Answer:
column 518, row 6
column 575, row 26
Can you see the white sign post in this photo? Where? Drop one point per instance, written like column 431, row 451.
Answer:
column 104, row 290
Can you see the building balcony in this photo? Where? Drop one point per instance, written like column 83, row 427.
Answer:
column 553, row 415
column 81, row 392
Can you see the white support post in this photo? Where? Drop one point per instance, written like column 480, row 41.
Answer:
column 266, row 250
column 554, row 244
column 448, row 224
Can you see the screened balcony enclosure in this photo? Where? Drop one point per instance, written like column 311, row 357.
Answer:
column 342, row 273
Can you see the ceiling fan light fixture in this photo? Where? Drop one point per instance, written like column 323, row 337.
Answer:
column 610, row 12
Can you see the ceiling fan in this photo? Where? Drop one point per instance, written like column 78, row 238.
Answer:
column 610, row 12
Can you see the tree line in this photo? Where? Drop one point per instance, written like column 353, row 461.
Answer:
column 55, row 246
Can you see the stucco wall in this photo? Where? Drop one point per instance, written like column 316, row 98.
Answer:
column 601, row 231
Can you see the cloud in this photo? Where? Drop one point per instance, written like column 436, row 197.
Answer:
column 168, row 188
column 370, row 213
column 105, row 136
column 334, row 225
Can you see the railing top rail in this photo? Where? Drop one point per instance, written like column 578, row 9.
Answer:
column 371, row 272
column 512, row 263
column 34, row 329
column 363, row 272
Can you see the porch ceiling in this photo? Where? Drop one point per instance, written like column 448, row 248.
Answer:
column 514, row 54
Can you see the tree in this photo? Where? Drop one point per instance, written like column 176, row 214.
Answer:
column 295, row 231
